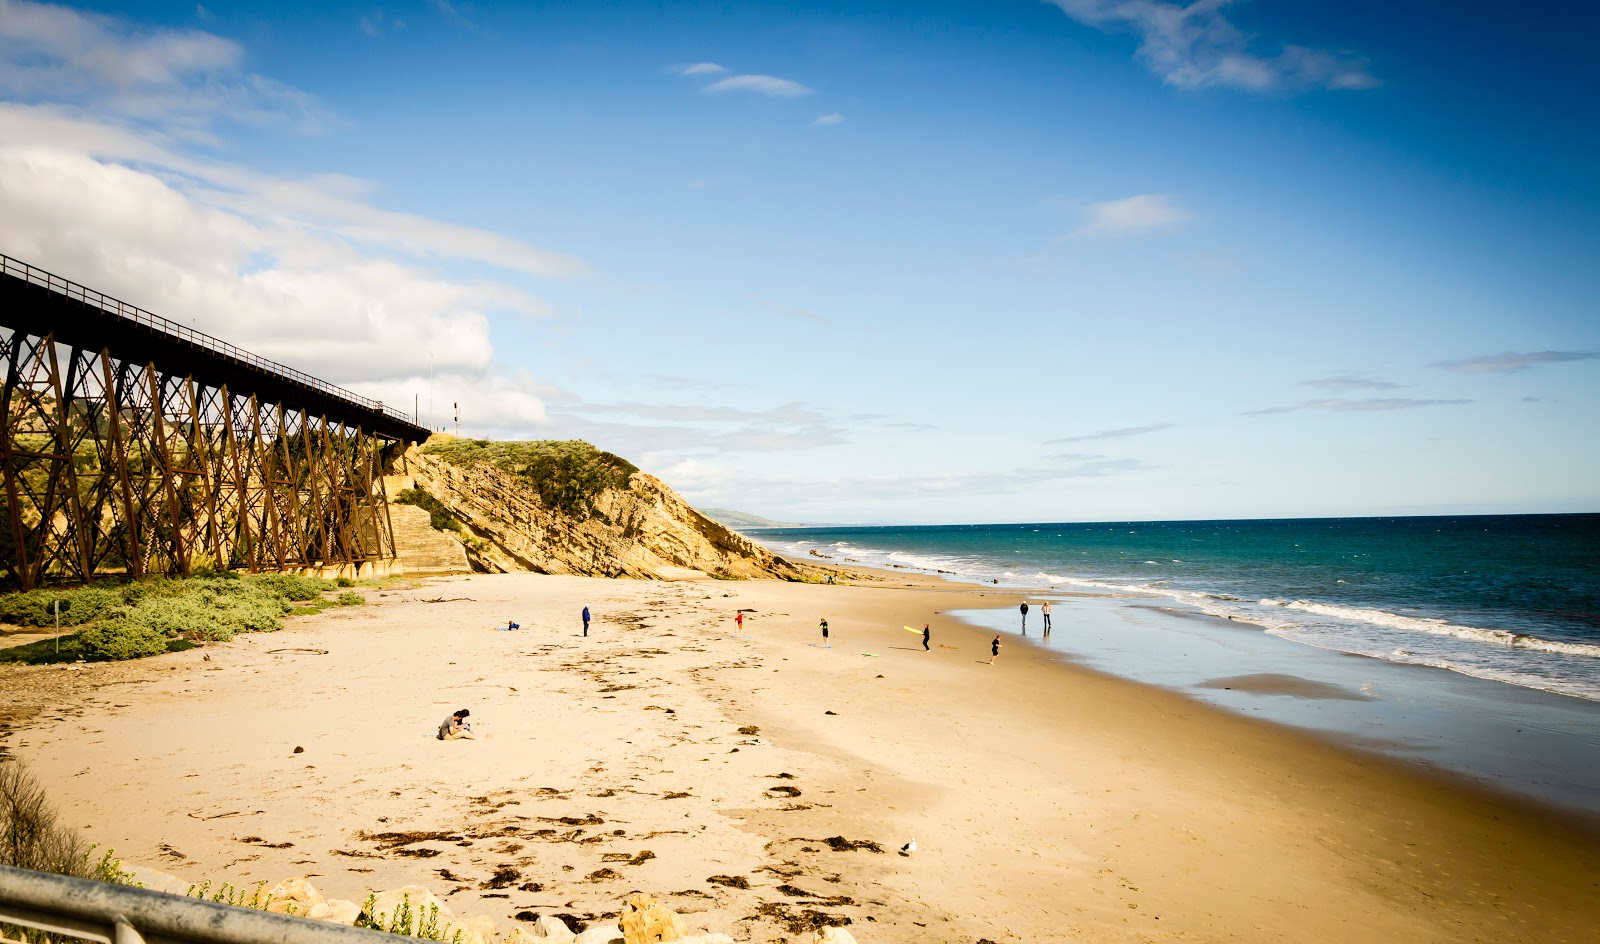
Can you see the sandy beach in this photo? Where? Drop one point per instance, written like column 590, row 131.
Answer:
column 1048, row 802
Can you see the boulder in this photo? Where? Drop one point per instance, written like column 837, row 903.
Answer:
column 386, row 907
column 293, row 896
column 479, row 930
column 156, row 880
column 551, row 931
column 835, row 936
column 336, row 911
column 600, row 934
column 520, row 935
column 647, row 921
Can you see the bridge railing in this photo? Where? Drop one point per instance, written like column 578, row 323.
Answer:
column 55, row 283
column 117, row 914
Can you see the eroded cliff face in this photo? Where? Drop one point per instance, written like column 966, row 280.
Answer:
column 644, row 530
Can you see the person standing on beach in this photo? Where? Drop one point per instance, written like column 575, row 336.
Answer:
column 994, row 650
column 738, row 620
column 1046, row 611
column 1024, row 617
column 825, row 643
column 927, row 634
column 586, row 622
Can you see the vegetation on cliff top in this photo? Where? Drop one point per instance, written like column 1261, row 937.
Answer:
column 567, row 475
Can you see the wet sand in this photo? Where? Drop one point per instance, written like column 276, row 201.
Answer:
column 1049, row 802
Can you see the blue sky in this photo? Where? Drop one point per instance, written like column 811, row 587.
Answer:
column 1069, row 260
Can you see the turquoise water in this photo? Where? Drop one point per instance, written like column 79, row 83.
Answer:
column 1510, row 598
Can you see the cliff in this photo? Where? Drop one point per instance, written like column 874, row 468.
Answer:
column 567, row 508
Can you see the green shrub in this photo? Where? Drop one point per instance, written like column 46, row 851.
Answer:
column 344, row 582
column 567, row 475
column 291, row 586
column 350, row 598
column 117, row 640
column 78, row 605
column 438, row 515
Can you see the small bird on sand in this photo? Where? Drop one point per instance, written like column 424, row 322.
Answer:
column 909, row 848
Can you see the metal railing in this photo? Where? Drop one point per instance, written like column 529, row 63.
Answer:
column 116, row 914
column 55, row 283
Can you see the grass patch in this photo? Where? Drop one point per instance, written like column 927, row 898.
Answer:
column 567, row 475
column 140, row 618
column 44, row 651
column 349, row 598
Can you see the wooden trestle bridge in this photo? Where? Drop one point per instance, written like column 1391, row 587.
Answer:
column 133, row 445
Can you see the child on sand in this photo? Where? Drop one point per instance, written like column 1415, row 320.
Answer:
column 457, row 727
column 825, row 643
column 994, row 650
column 738, row 620
column 927, row 634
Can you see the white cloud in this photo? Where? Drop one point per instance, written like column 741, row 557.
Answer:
column 1137, row 214
column 1511, row 362
column 832, row 119
column 1122, row 433
column 1351, row 381
column 1195, row 45
column 762, row 84
column 793, row 312
column 701, row 68
column 1370, row 405
column 100, row 184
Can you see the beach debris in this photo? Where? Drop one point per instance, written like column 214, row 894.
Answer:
column 801, row 920
column 830, row 712
column 647, row 921
column 731, row 881
column 750, row 730
column 504, row 877
column 841, row 844
column 299, row 750
column 909, row 848
column 785, row 790
column 315, row 652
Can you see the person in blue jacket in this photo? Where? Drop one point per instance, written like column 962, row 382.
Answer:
column 586, row 621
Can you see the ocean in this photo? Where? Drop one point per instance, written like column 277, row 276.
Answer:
column 1514, row 599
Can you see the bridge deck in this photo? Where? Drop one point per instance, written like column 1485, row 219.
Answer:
column 40, row 303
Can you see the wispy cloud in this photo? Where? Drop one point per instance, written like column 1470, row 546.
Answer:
column 760, row 84
column 693, row 429
column 1122, row 433
column 704, row 480
column 1512, row 362
column 794, row 312
column 177, row 79
column 831, row 119
column 1142, row 213
column 1195, row 45
column 1372, row 405
column 1351, row 381
column 700, row 68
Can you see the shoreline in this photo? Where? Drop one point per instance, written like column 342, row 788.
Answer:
column 1048, row 799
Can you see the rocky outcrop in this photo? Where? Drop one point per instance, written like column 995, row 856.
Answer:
column 643, row 530
column 423, row 550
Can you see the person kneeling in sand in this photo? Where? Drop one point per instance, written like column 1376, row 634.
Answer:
column 456, row 727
